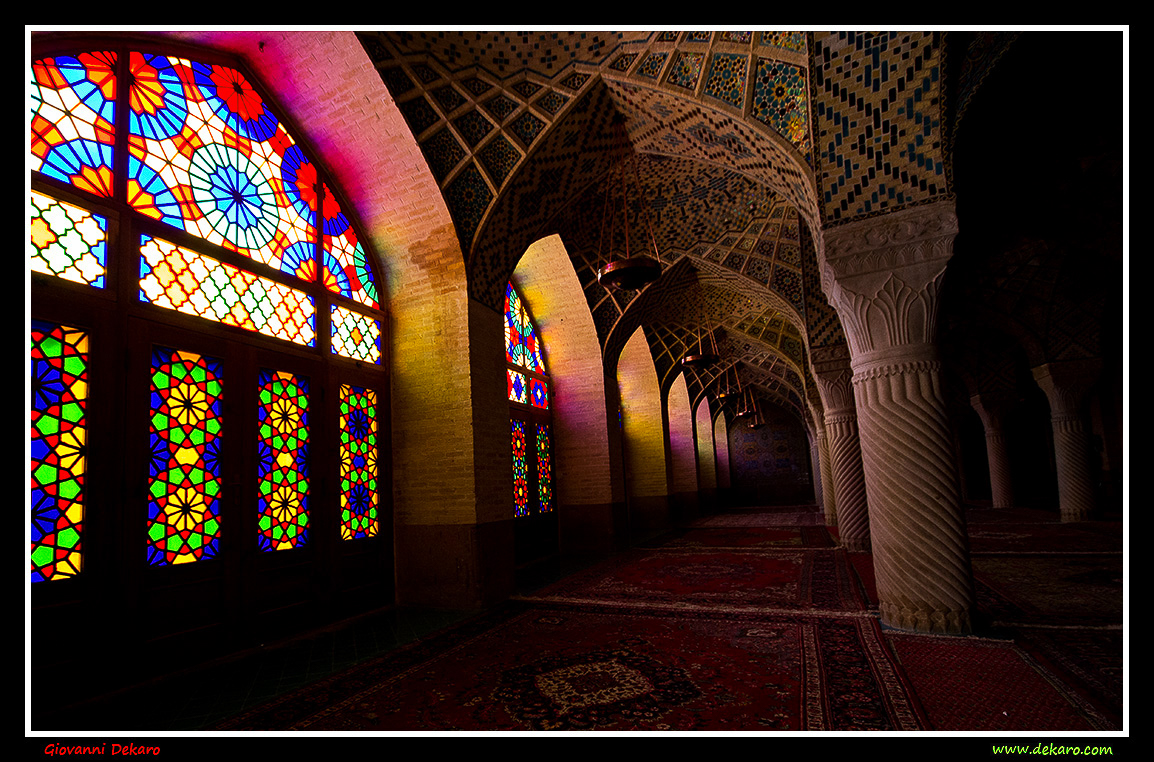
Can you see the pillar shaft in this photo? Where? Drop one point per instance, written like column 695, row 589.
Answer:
column 833, row 374
column 1065, row 385
column 992, row 411
column 883, row 275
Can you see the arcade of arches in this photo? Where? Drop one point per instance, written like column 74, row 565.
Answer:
column 904, row 245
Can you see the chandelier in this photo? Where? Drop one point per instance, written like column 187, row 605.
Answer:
column 625, row 269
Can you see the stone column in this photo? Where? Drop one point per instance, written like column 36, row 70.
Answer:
column 883, row 276
column 1065, row 385
column 832, row 371
column 816, row 436
column 991, row 408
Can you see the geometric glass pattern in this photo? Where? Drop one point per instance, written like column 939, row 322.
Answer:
column 544, row 483
column 183, row 280
column 282, row 458
column 518, row 391
column 358, row 456
column 346, row 268
column 67, row 241
column 521, row 344
column 539, row 393
column 59, row 385
column 73, row 101
column 355, row 335
column 184, row 481
column 520, row 471
column 179, row 278
column 207, row 156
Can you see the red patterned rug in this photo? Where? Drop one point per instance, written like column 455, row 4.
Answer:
column 565, row 668
column 768, row 581
column 1008, row 537
column 1076, row 590
column 746, row 537
column 986, row 685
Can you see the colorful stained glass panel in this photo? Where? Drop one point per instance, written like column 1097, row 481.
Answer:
column 282, row 460
column 522, row 346
column 180, row 279
column 184, row 484
column 539, row 393
column 73, row 113
column 206, row 155
column 67, row 241
column 520, row 471
column 59, row 443
column 346, row 266
column 358, row 454
column 544, row 470
column 518, row 389
column 355, row 335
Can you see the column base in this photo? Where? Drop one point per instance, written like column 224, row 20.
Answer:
column 927, row 619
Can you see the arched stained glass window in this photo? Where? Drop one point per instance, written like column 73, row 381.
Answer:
column 530, row 413
column 170, row 195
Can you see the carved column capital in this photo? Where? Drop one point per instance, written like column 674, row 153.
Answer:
column 883, row 276
column 1066, row 383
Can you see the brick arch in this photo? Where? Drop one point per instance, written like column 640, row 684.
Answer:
column 647, row 486
column 589, row 478
column 706, row 455
column 679, row 429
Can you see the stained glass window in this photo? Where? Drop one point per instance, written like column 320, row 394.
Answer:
column 181, row 279
column 282, row 455
column 59, row 443
column 67, row 241
column 184, row 486
column 258, row 239
column 73, row 113
column 520, row 471
column 544, row 470
column 206, row 155
column 355, row 335
column 528, row 392
column 358, row 453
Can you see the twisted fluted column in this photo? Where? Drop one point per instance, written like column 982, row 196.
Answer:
column 882, row 275
column 992, row 409
column 1065, row 385
column 833, row 374
column 829, row 505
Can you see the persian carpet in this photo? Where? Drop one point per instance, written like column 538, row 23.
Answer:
column 550, row 668
column 746, row 537
column 989, row 685
column 1076, row 590
column 766, row 580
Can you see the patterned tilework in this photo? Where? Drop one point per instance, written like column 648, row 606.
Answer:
column 473, row 127
column 476, row 86
column 499, row 157
column 426, row 73
column 448, row 98
column 878, row 132
column 623, row 62
column 822, row 325
column 468, row 197
column 650, row 68
column 527, row 127
column 443, row 153
column 726, row 81
column 420, row 115
column 500, row 106
column 794, row 41
column 551, row 102
column 686, row 70
column 779, row 101
column 503, row 54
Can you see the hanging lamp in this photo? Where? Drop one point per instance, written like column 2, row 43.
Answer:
column 744, row 402
column 707, row 353
column 757, row 420
column 726, row 394
column 625, row 269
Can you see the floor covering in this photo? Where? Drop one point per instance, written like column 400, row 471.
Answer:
column 748, row 620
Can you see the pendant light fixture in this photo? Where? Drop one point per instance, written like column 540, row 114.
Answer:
column 625, row 269
column 706, row 350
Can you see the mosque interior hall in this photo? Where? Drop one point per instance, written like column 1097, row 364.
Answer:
column 634, row 381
